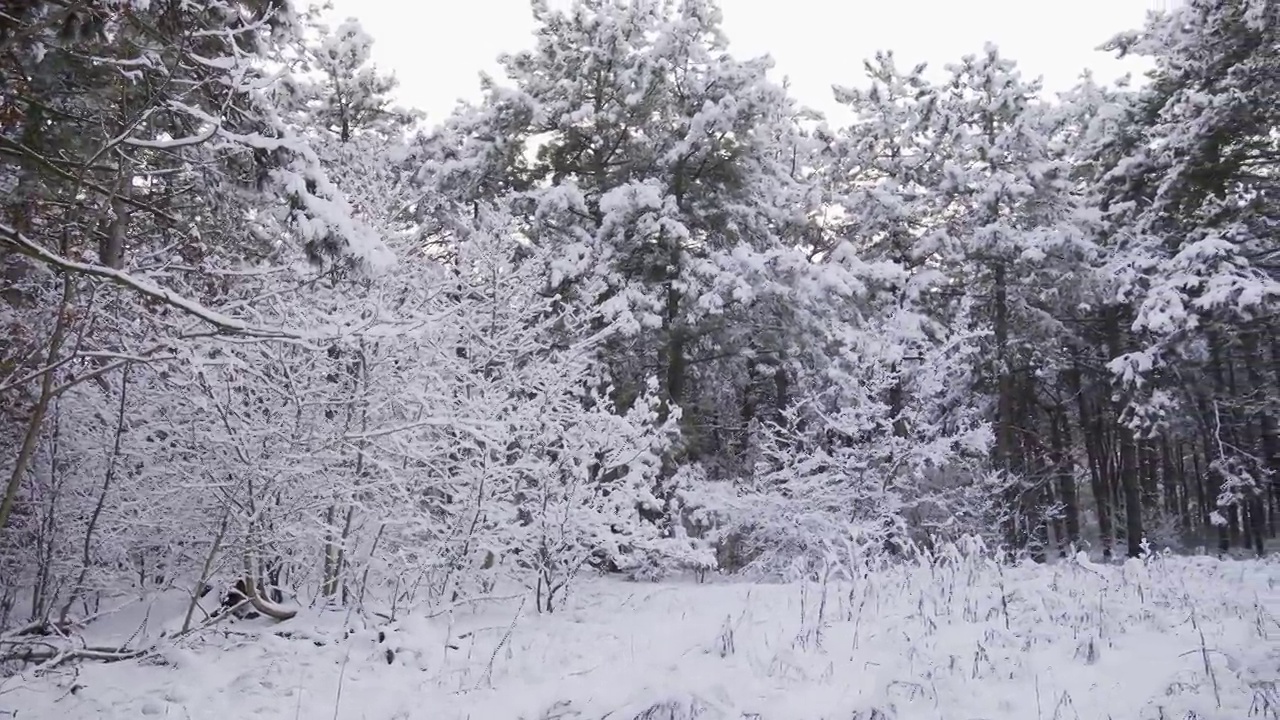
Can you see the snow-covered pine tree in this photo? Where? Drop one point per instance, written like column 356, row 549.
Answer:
column 1188, row 194
column 672, row 183
column 963, row 197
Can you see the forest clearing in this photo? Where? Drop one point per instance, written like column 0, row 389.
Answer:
column 954, row 638
column 632, row 387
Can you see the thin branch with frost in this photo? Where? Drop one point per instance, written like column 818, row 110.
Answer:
column 26, row 152
column 122, row 359
column 196, row 139
column 223, row 323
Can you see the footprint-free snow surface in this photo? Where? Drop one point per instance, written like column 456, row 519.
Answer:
column 1173, row 638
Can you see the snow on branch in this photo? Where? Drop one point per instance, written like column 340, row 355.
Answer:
column 224, row 324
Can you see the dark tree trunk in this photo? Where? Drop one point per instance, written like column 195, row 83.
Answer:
column 1090, row 432
column 1068, row 493
column 1130, row 483
column 1132, row 496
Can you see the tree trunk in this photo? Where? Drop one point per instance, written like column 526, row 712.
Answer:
column 1065, row 471
column 1090, row 431
column 1132, row 495
column 35, row 422
column 1130, row 482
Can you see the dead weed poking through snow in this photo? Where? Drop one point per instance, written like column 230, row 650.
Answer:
column 955, row 636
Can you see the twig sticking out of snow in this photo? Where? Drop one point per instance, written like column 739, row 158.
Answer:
column 488, row 671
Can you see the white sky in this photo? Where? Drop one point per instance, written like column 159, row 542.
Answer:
column 437, row 48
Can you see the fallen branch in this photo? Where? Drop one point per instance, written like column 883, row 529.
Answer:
column 51, row 657
column 35, row 627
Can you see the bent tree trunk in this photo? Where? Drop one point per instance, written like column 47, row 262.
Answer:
column 251, row 591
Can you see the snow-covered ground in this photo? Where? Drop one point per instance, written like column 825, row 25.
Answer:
column 1176, row 638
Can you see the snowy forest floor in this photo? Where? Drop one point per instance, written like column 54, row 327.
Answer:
column 1176, row 638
